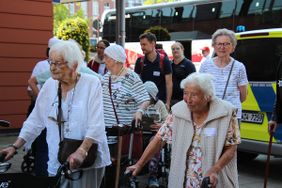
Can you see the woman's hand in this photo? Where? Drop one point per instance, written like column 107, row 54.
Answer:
column 8, row 152
column 76, row 159
column 135, row 169
column 272, row 125
column 155, row 127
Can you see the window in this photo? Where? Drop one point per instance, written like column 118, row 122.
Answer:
column 262, row 57
column 84, row 6
column 95, row 9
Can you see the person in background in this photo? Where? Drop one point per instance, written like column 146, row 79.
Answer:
column 39, row 147
column 181, row 68
column 204, row 133
column 124, row 99
column 152, row 119
column 155, row 67
column 205, row 53
column 160, row 49
column 82, row 111
column 97, row 63
column 229, row 75
column 276, row 118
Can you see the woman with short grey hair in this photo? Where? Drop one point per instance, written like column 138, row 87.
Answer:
column 229, row 75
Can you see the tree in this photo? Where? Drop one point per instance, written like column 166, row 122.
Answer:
column 61, row 12
column 160, row 32
column 76, row 29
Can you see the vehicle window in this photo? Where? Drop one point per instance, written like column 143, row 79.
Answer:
column 227, row 9
column 260, row 56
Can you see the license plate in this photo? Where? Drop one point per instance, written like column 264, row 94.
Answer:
column 252, row 117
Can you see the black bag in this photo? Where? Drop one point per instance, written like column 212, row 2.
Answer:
column 206, row 183
column 68, row 146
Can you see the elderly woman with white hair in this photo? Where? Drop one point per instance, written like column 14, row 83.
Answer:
column 82, row 116
column 204, row 134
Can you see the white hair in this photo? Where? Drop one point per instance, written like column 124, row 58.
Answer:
column 70, row 52
column 225, row 32
column 203, row 80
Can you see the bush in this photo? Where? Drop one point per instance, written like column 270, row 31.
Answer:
column 161, row 33
column 76, row 29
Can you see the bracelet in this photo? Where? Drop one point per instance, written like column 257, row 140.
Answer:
column 82, row 149
column 13, row 146
column 141, row 111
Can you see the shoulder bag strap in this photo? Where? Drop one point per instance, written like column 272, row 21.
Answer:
column 228, row 80
column 60, row 112
column 110, row 90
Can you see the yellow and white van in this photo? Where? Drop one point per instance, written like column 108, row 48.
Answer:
column 260, row 51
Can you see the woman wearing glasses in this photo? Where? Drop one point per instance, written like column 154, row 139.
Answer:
column 82, row 116
column 229, row 75
column 97, row 63
column 181, row 68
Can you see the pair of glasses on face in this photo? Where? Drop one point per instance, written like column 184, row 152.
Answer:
column 100, row 47
column 57, row 64
column 175, row 48
column 222, row 44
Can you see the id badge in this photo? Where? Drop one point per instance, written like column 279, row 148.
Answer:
column 156, row 73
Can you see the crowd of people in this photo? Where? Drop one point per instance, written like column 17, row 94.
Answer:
column 197, row 113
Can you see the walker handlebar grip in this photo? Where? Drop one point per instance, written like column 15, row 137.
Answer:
column 206, row 183
column 2, row 157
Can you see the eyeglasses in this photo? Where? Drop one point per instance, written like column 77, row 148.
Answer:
column 222, row 44
column 99, row 47
column 176, row 48
column 57, row 64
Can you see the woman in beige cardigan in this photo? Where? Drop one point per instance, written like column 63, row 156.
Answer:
column 204, row 133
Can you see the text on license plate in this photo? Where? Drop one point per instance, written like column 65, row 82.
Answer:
column 252, row 117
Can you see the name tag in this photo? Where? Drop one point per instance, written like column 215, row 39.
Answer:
column 156, row 73
column 116, row 85
column 210, row 131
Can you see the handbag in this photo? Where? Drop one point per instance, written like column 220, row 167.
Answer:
column 67, row 146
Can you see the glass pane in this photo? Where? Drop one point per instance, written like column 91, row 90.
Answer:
column 227, row 9
column 262, row 59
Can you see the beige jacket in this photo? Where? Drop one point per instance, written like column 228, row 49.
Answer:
column 212, row 143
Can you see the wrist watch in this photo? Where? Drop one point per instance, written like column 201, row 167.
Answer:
column 13, row 146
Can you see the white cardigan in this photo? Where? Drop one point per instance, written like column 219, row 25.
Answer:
column 86, row 118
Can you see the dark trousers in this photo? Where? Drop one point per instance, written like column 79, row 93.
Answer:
column 39, row 149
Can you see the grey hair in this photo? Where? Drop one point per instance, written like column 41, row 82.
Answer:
column 70, row 52
column 225, row 32
column 203, row 80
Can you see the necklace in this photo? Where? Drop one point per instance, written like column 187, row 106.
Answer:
column 114, row 77
column 70, row 103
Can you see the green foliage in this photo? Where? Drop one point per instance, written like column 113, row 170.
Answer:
column 77, row 29
column 160, row 32
column 61, row 12
column 151, row 2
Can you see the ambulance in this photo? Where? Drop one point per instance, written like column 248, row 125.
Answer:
column 260, row 51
